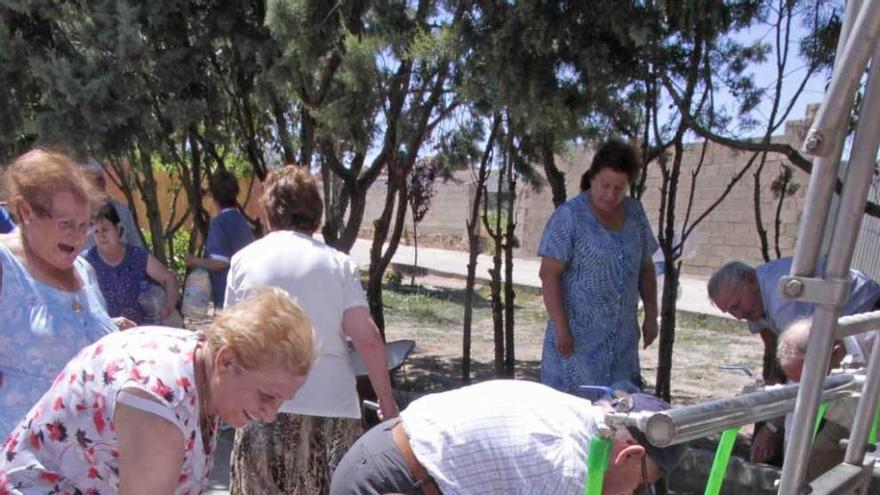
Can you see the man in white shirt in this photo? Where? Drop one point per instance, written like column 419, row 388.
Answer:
column 502, row 436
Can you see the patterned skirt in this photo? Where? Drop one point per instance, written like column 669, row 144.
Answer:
column 294, row 455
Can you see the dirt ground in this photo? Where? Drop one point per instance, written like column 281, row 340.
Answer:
column 431, row 313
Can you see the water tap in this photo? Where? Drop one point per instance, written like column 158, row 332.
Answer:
column 757, row 380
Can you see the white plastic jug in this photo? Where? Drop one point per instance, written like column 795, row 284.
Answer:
column 196, row 294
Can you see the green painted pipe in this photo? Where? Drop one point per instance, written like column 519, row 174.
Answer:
column 597, row 464
column 819, row 415
column 872, row 438
column 722, row 459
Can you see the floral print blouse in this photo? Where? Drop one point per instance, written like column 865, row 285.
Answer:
column 67, row 443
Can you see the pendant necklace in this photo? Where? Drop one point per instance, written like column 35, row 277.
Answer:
column 77, row 307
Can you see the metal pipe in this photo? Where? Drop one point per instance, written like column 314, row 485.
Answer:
column 848, row 326
column 860, row 44
column 848, row 68
column 824, row 174
column 682, row 424
column 849, row 217
column 865, row 411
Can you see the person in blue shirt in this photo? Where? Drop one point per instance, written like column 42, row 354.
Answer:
column 7, row 225
column 228, row 232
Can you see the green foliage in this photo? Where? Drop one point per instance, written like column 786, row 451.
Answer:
column 178, row 251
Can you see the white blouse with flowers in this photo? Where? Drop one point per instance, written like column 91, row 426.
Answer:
column 67, row 443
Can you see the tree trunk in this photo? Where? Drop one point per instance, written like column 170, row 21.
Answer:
column 151, row 201
column 555, row 177
column 495, row 233
column 670, row 279
column 379, row 261
column 509, row 292
column 472, row 225
column 667, row 331
column 412, row 280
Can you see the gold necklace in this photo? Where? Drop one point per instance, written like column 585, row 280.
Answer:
column 77, row 307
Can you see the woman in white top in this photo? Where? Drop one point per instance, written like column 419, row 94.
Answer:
column 298, row 453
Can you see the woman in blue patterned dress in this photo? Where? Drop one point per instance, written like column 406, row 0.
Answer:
column 50, row 304
column 124, row 270
column 595, row 263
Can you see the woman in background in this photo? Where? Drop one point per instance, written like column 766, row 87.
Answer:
column 298, row 454
column 50, row 303
column 125, row 271
column 595, row 263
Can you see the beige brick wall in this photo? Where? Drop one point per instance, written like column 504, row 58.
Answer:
column 728, row 233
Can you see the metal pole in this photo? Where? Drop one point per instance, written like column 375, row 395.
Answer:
column 824, row 174
column 865, row 411
column 682, row 424
column 856, row 188
column 860, row 44
column 856, row 324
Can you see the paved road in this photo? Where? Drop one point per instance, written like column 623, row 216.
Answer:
column 525, row 272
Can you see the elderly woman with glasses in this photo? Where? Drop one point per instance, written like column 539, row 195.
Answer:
column 50, row 302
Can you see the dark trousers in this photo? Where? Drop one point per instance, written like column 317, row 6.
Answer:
column 374, row 466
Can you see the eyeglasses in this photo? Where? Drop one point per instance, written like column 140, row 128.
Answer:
column 67, row 226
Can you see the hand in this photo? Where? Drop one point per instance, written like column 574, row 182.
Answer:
column 192, row 261
column 649, row 331
column 764, row 445
column 123, row 323
column 564, row 343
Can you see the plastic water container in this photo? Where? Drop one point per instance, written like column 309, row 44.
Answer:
column 196, row 294
column 151, row 299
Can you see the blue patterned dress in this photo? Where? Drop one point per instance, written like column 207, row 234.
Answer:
column 600, row 290
column 41, row 329
column 121, row 283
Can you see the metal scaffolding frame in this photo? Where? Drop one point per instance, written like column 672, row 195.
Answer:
column 857, row 46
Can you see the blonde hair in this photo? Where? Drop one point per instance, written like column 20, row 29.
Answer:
column 38, row 175
column 266, row 328
column 292, row 200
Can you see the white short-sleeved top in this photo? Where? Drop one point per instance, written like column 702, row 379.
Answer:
column 325, row 283
column 503, row 436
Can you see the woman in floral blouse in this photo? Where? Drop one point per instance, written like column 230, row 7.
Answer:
column 137, row 411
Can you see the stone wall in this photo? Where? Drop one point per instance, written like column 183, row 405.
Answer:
column 726, row 234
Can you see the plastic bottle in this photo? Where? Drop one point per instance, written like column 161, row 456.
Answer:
column 151, row 299
column 196, row 295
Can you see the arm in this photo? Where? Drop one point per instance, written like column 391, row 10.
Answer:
column 772, row 372
column 551, row 290
column 648, row 291
column 211, row 264
column 150, row 451
column 358, row 325
column 158, row 272
column 764, row 442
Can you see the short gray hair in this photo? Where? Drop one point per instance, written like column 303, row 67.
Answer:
column 731, row 274
column 793, row 341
